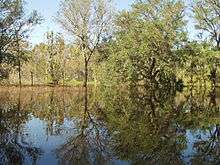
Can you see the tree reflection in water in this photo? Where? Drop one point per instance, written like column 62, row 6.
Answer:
column 139, row 125
column 208, row 149
column 143, row 126
column 89, row 145
column 13, row 147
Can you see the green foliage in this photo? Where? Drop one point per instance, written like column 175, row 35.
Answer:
column 143, row 49
column 14, row 28
column 206, row 13
column 198, row 59
column 55, row 49
column 147, row 45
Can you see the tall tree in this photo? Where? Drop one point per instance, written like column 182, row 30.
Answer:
column 55, row 48
column 14, row 27
column 207, row 16
column 39, row 64
column 147, row 35
column 10, row 12
column 21, row 33
column 89, row 21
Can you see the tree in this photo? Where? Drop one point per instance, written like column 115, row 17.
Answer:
column 195, row 63
column 20, row 56
column 55, row 48
column 39, row 63
column 21, row 33
column 146, row 37
column 10, row 12
column 88, row 21
column 207, row 14
column 14, row 28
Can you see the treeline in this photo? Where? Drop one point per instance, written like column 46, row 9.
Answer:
column 148, row 44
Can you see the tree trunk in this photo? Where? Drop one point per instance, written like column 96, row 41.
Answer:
column 191, row 75
column 86, row 99
column 64, row 76
column 32, row 79
column 213, row 72
column 64, row 69
column 218, row 44
column 18, row 57
column 86, row 73
column 213, row 97
column 19, row 72
column 1, row 57
column 213, row 76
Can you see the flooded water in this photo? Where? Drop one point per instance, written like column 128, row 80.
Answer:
column 49, row 126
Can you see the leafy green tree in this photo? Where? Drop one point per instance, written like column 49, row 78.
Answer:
column 14, row 27
column 39, row 63
column 196, row 63
column 206, row 14
column 10, row 10
column 88, row 21
column 142, row 51
column 55, row 50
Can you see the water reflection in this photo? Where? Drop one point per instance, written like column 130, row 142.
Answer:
column 143, row 127
column 138, row 125
column 89, row 144
column 13, row 145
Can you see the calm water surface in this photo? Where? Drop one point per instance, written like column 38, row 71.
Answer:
column 49, row 126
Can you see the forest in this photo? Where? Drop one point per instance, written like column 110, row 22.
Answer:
column 150, row 44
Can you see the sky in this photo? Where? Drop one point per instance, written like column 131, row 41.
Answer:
column 48, row 9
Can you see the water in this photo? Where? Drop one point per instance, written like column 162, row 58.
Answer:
column 108, row 126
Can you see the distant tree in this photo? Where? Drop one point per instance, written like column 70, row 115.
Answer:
column 88, row 21
column 20, row 57
column 55, row 48
column 39, row 63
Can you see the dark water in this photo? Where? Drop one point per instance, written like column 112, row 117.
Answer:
column 110, row 126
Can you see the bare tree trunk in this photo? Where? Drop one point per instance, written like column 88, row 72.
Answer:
column 64, row 70
column 213, row 97
column 86, row 73
column 191, row 75
column 218, row 44
column 86, row 99
column 32, row 79
column 1, row 57
column 18, row 57
column 1, row 68
column 213, row 76
column 19, row 71
column 213, row 72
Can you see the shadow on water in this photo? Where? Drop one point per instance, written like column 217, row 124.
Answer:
column 139, row 125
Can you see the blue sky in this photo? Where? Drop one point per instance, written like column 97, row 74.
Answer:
column 48, row 9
